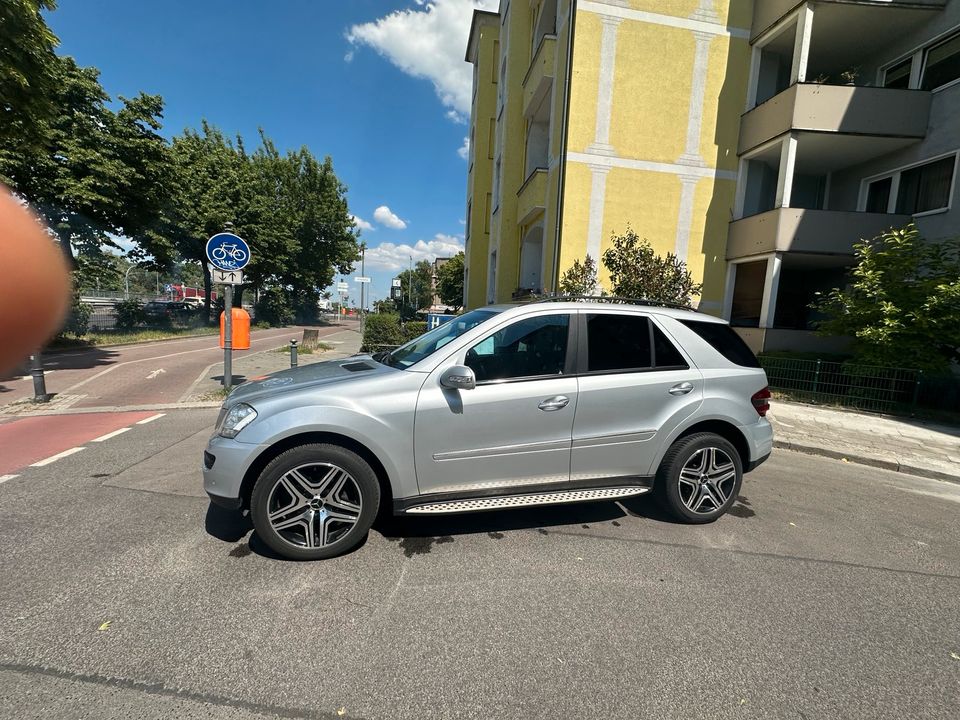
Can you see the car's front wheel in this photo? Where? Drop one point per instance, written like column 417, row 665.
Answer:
column 699, row 478
column 315, row 501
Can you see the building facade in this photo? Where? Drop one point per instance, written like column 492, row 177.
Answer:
column 758, row 141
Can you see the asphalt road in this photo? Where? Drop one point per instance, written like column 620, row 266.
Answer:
column 830, row 591
column 127, row 375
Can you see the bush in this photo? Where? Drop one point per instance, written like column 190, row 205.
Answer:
column 274, row 308
column 413, row 330
column 129, row 314
column 636, row 271
column 381, row 330
column 78, row 318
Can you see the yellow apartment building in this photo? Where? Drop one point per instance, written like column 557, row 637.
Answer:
column 756, row 140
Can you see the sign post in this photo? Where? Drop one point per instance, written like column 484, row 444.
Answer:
column 228, row 255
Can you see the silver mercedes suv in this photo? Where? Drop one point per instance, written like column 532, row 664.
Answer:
column 548, row 402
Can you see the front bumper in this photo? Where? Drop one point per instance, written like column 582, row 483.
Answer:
column 225, row 462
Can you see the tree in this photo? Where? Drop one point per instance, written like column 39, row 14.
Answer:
column 902, row 302
column 417, row 288
column 92, row 172
column 450, row 282
column 28, row 72
column 581, row 279
column 636, row 271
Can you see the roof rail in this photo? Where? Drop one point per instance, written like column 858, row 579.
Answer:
column 614, row 299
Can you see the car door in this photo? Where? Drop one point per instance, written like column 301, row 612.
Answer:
column 514, row 427
column 634, row 387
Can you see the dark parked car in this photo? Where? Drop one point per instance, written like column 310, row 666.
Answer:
column 158, row 311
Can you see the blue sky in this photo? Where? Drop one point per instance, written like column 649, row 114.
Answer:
column 379, row 85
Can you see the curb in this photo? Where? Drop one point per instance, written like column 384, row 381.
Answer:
column 892, row 465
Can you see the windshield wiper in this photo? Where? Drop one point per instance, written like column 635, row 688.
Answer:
column 384, row 357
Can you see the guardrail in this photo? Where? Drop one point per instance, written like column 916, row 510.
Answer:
column 864, row 387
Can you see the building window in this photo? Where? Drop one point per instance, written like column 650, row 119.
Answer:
column 496, row 183
column 491, row 138
column 941, row 64
column 926, row 188
column 486, row 214
column 749, row 280
column 878, row 195
column 496, row 58
column 898, row 75
column 919, row 189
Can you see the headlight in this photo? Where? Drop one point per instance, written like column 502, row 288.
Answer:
column 239, row 416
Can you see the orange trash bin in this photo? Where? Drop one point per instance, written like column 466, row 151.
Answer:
column 241, row 329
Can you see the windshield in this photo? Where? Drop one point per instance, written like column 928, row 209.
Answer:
column 428, row 343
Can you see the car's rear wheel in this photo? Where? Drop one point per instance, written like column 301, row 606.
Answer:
column 699, row 478
column 315, row 502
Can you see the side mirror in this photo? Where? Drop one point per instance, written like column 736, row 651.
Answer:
column 458, row 377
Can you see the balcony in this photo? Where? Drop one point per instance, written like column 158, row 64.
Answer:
column 845, row 109
column 532, row 196
column 824, row 232
column 767, row 13
column 539, row 77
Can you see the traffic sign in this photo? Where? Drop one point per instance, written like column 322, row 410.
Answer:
column 396, row 282
column 361, row 279
column 227, row 251
column 226, row 277
column 343, row 287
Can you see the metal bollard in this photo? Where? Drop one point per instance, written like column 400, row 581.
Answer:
column 293, row 353
column 39, row 381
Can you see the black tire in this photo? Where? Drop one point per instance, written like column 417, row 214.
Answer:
column 676, row 497
column 365, row 491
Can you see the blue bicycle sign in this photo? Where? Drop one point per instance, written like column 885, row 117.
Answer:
column 226, row 251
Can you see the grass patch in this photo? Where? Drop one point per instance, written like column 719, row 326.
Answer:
column 128, row 337
column 321, row 347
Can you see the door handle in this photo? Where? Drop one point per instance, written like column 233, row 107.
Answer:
column 557, row 402
column 681, row 388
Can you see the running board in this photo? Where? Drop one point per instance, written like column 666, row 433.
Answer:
column 511, row 501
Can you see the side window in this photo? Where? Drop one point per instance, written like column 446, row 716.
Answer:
column 533, row 347
column 666, row 356
column 618, row 342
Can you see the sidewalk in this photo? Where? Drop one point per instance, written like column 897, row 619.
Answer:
column 900, row 444
column 207, row 387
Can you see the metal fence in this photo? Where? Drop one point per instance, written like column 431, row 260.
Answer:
column 865, row 387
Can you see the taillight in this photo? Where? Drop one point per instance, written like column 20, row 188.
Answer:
column 761, row 401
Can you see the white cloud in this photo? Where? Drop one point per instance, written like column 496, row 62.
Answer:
column 361, row 224
column 396, row 258
column 464, row 151
column 385, row 216
column 429, row 44
column 348, row 57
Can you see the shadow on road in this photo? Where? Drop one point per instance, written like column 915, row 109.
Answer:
column 75, row 359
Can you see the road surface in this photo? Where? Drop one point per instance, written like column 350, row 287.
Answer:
column 130, row 375
column 830, row 591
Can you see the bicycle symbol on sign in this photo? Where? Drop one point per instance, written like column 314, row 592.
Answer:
column 232, row 251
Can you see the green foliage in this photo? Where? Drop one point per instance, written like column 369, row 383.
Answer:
column 129, row 314
column 902, row 303
column 77, row 322
column 274, row 307
column 385, row 306
column 380, row 331
column 581, row 279
column 450, row 282
column 636, row 271
column 413, row 329
column 28, row 71
column 417, row 290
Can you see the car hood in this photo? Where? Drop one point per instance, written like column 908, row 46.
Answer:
column 352, row 369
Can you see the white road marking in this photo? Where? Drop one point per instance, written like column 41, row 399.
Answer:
column 4, row 478
column 58, row 456
column 110, row 435
column 150, row 419
column 155, row 373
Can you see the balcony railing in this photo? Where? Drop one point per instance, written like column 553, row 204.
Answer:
column 532, row 196
column 539, row 77
column 830, row 232
column 844, row 109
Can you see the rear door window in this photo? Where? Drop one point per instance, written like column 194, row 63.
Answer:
column 628, row 343
column 725, row 341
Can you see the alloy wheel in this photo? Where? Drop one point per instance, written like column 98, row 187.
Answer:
column 314, row 505
column 706, row 480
